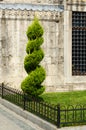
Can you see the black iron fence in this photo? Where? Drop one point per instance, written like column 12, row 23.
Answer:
column 58, row 115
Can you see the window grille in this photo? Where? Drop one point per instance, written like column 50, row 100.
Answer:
column 78, row 43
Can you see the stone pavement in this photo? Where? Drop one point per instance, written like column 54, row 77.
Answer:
column 11, row 121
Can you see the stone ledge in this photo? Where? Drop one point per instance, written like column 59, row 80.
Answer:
column 40, row 7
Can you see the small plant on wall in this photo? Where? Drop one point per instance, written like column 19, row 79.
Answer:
column 32, row 84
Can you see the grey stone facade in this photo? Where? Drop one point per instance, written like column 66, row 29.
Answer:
column 56, row 17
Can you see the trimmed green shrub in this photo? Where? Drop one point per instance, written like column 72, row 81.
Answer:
column 36, row 73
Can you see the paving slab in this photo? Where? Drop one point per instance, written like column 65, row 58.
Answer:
column 44, row 125
column 11, row 121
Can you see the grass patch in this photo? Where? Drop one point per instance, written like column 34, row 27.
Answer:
column 72, row 101
column 66, row 98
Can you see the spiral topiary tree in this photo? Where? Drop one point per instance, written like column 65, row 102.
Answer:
column 36, row 73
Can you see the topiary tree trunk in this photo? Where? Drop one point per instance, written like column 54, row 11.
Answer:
column 36, row 73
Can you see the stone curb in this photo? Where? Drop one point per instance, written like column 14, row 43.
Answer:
column 29, row 116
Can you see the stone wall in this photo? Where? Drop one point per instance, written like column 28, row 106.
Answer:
column 57, row 45
column 13, row 26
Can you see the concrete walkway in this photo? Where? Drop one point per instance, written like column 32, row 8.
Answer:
column 11, row 121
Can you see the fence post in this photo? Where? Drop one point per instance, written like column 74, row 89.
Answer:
column 58, row 115
column 24, row 101
column 2, row 90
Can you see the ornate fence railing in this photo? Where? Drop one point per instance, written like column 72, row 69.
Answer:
column 56, row 114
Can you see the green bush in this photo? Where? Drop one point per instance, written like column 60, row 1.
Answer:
column 35, row 30
column 36, row 73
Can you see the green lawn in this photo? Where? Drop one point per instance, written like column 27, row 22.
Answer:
column 66, row 98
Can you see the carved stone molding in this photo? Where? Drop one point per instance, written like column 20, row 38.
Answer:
column 29, row 15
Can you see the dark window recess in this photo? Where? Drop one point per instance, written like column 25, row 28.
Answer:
column 78, row 43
